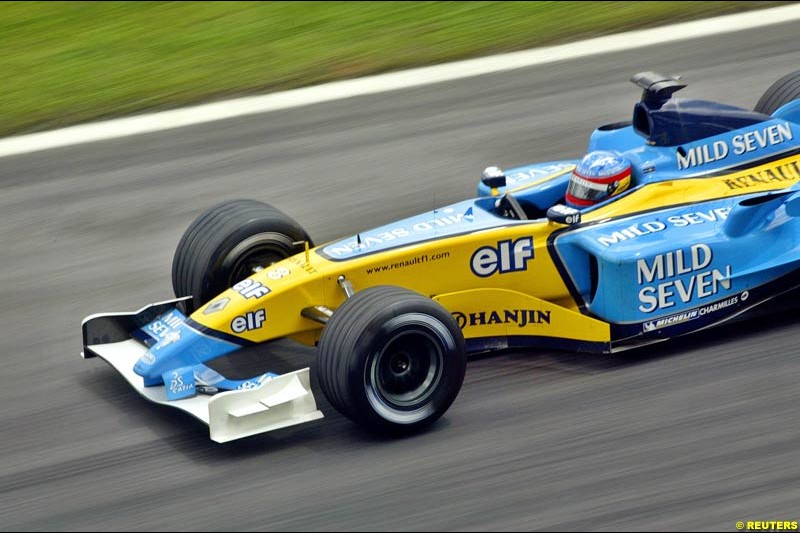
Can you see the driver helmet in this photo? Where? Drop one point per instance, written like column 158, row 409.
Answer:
column 599, row 176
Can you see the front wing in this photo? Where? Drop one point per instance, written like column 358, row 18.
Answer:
column 276, row 403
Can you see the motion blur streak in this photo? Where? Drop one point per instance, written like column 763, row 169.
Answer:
column 190, row 116
column 696, row 434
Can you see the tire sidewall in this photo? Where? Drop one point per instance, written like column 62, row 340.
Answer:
column 371, row 345
column 208, row 259
column 236, row 248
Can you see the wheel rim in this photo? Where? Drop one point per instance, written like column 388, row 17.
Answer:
column 258, row 251
column 407, row 371
column 248, row 264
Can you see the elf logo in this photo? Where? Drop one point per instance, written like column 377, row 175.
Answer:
column 251, row 289
column 249, row 321
column 508, row 256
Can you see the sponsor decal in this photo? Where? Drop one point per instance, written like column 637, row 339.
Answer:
column 249, row 321
column 217, row 305
column 713, row 308
column 538, row 172
column 699, row 217
column 418, row 260
column 148, row 358
column 165, row 330
column 169, row 338
column 739, row 144
column 670, row 320
column 302, row 264
column 569, row 215
column 781, row 174
column 251, row 289
column 687, row 316
column 254, row 383
column 507, row 256
column 278, row 273
column 442, row 219
column 520, row 317
column 654, row 226
column 667, row 267
column 631, row 232
column 161, row 327
column 178, row 386
column 211, row 382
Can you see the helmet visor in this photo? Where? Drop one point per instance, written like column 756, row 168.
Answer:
column 589, row 191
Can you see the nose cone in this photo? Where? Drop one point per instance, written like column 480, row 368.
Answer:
column 173, row 345
column 163, row 356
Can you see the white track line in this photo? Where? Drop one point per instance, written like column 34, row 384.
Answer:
column 200, row 114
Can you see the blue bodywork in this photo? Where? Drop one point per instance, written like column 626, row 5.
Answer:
column 650, row 274
column 700, row 262
column 667, row 271
column 177, row 351
column 647, row 272
column 696, row 264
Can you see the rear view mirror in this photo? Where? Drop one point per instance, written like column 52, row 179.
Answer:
column 493, row 177
column 561, row 214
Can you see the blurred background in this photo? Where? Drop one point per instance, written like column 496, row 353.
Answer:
column 694, row 434
column 69, row 62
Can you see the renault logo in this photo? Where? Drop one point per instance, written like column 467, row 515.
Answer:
column 218, row 305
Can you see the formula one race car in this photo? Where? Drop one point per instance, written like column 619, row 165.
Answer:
column 704, row 229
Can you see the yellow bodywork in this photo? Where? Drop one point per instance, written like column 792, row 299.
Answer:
column 485, row 307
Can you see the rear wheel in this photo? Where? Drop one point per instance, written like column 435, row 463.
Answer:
column 780, row 93
column 227, row 243
column 391, row 360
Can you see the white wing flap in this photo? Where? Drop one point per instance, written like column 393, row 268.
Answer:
column 280, row 402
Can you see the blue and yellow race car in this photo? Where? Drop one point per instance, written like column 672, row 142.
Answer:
column 681, row 219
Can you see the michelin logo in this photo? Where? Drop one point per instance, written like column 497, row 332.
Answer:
column 673, row 320
column 687, row 316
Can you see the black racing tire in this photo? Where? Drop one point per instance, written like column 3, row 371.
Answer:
column 391, row 360
column 780, row 93
column 223, row 245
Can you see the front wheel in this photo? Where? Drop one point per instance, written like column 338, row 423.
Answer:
column 391, row 360
column 228, row 243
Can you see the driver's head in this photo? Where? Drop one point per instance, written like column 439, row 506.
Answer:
column 599, row 176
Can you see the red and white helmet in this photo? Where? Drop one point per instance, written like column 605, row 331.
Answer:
column 599, row 176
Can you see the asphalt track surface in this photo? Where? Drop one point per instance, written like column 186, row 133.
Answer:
column 695, row 434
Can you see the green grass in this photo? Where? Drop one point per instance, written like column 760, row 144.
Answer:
column 70, row 62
